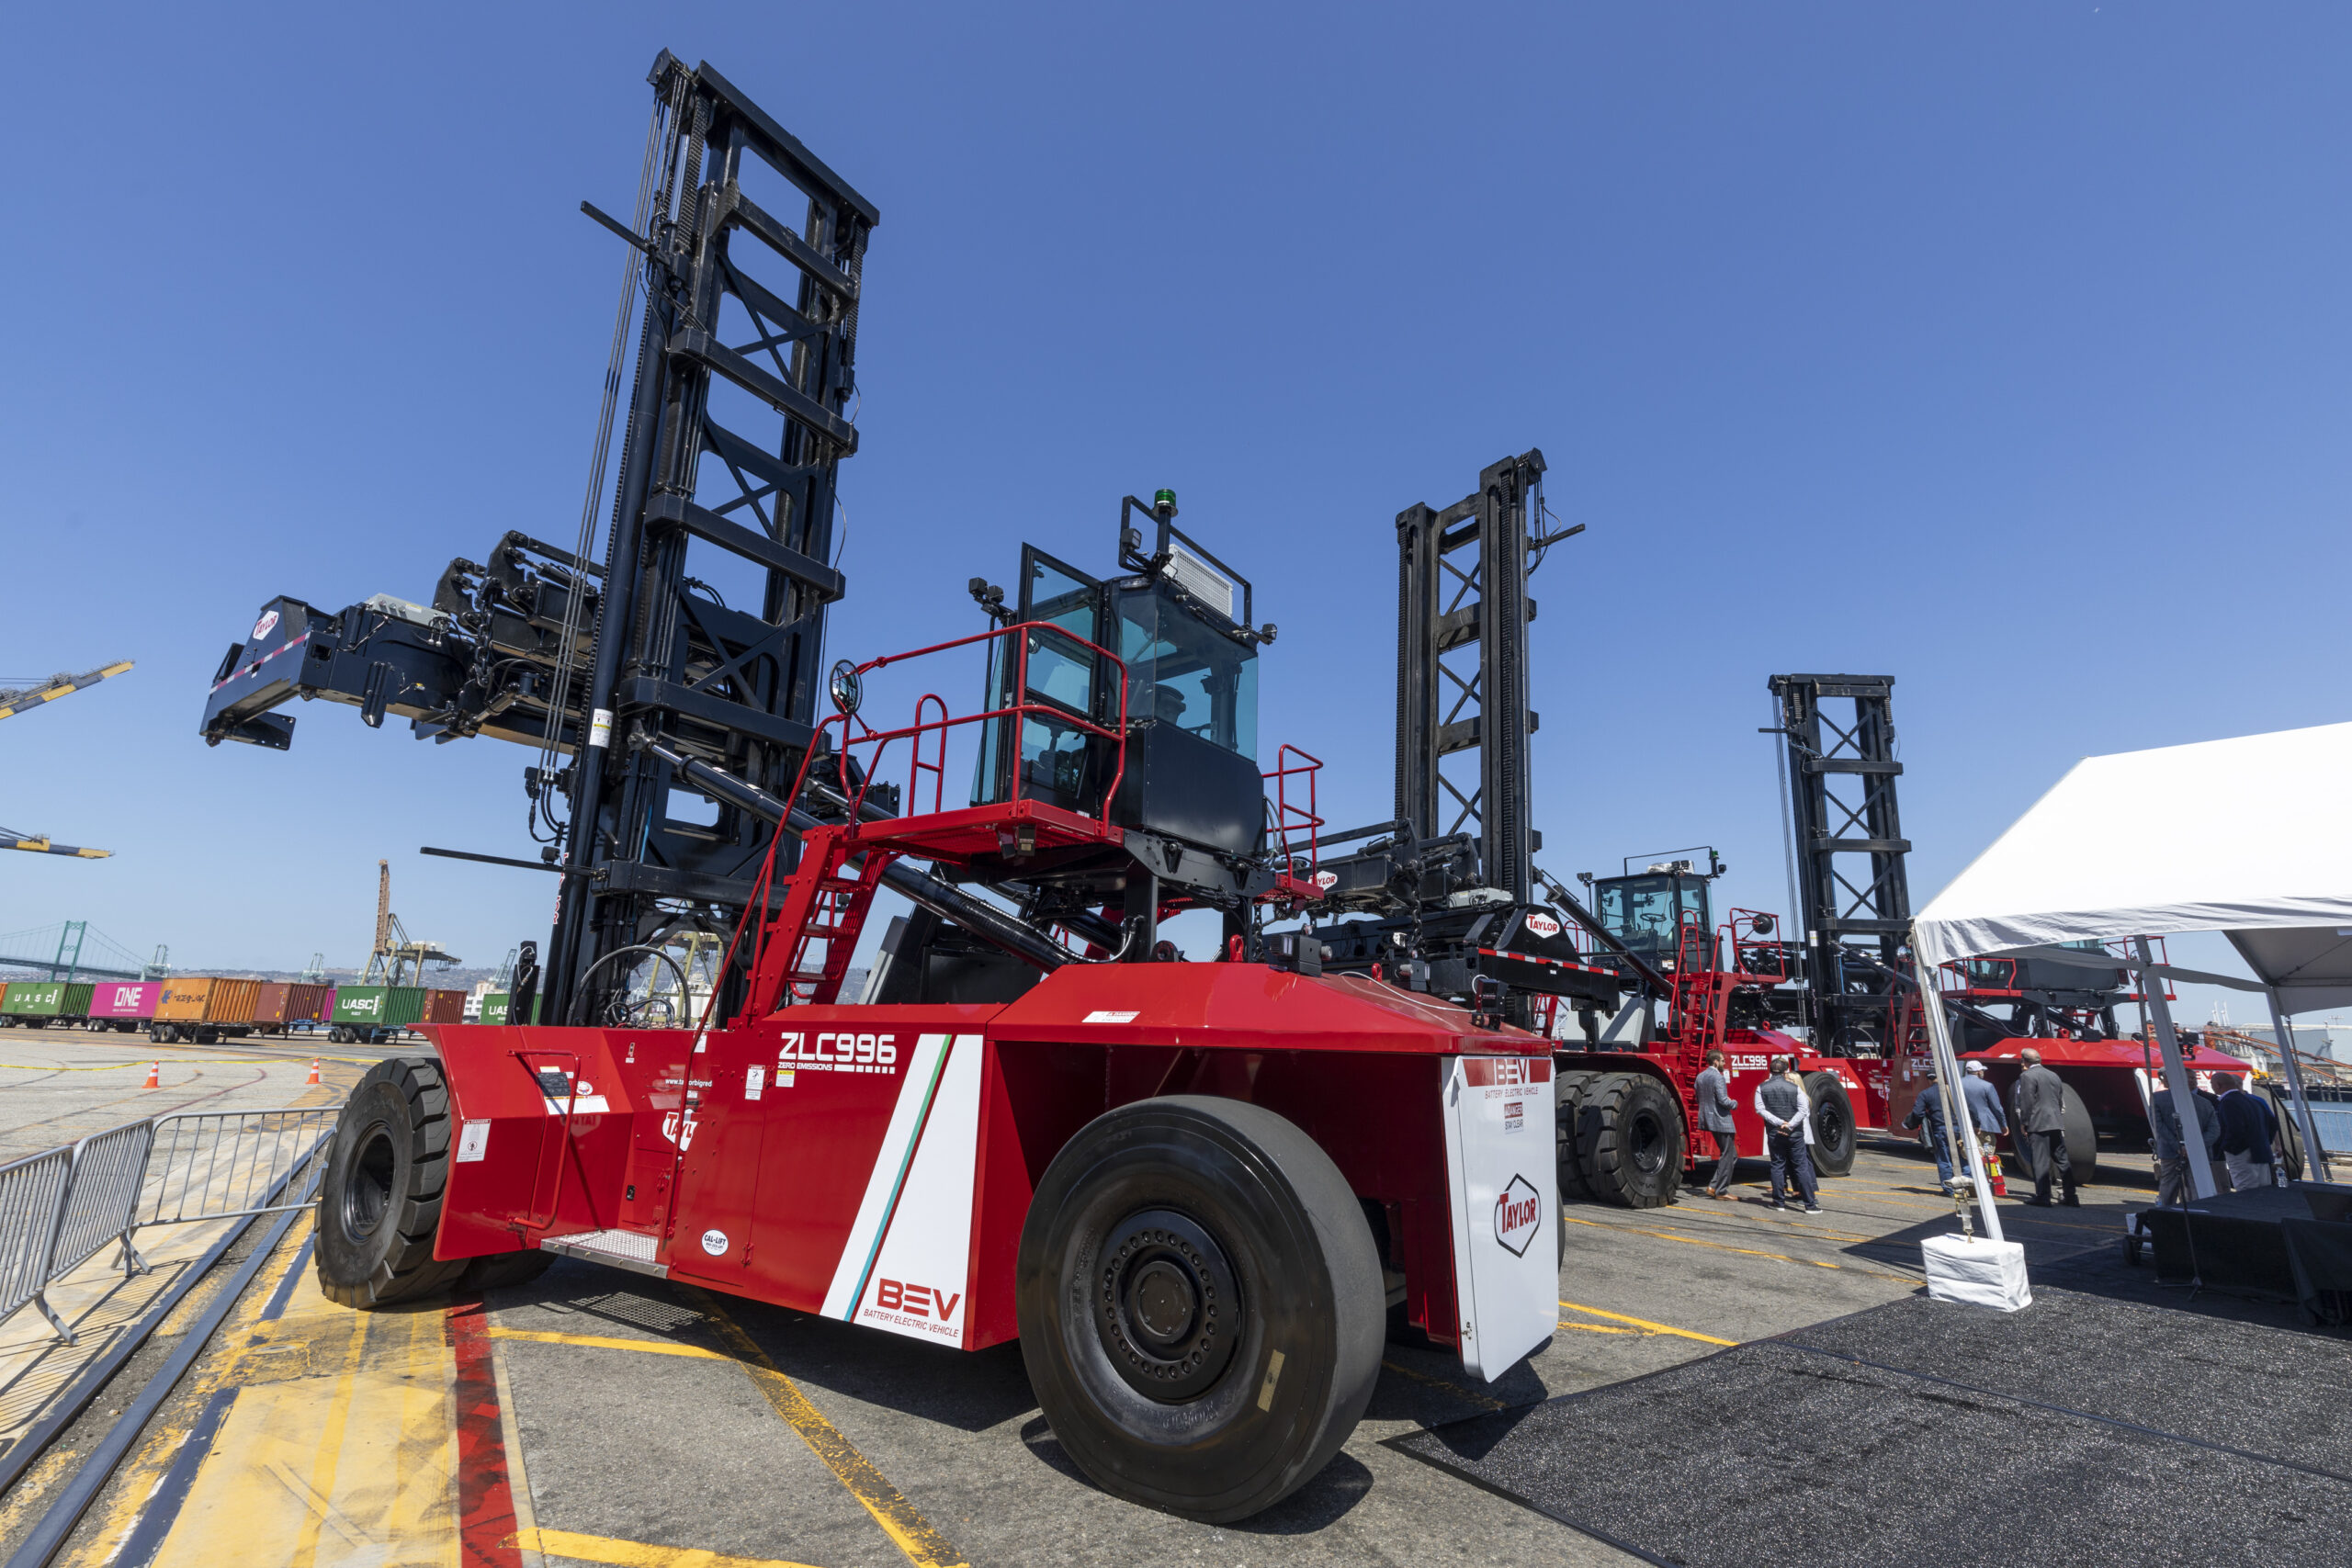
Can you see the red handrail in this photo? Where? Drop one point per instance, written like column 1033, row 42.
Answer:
column 1285, row 814
column 1018, row 711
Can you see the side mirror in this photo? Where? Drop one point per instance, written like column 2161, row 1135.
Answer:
column 845, row 686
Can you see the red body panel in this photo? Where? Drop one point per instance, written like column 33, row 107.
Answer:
column 788, row 1159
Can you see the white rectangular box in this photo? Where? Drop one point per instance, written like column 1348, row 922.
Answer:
column 1976, row 1271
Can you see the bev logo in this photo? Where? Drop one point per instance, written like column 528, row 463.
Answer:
column 915, row 1300
column 1517, row 1209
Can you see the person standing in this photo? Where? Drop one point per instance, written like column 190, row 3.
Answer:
column 1927, row 1111
column 2172, row 1155
column 2041, row 1131
column 1788, row 1134
column 1715, row 1120
column 2249, row 1128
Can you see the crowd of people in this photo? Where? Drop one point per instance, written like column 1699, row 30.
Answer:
column 2239, row 1128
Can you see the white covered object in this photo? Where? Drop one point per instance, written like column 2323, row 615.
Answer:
column 2230, row 835
column 1976, row 1271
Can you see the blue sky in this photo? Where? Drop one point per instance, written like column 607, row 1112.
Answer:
column 2003, row 349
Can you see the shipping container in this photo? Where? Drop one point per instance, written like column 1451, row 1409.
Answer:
column 37, row 1004
column 285, row 1003
column 204, row 1009
column 123, row 1004
column 375, row 1014
column 493, row 1007
column 445, row 1007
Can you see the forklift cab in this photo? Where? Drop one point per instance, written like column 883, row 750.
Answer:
column 1648, row 912
column 1179, row 627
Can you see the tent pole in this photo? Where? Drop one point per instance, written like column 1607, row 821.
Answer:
column 2284, row 1033
column 2176, row 1078
column 1947, row 1066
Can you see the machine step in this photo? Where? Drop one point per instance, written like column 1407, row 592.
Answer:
column 622, row 1249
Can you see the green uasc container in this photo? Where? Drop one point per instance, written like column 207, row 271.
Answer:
column 493, row 1005
column 379, row 1007
column 46, row 999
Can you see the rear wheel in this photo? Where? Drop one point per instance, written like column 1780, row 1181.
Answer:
column 1567, row 1096
column 1833, row 1123
column 1630, row 1141
column 380, row 1203
column 1199, row 1305
column 2081, row 1138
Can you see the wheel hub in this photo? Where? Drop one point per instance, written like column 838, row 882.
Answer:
column 1168, row 1309
column 367, row 1186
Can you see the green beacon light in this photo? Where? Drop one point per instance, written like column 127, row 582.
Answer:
column 1164, row 502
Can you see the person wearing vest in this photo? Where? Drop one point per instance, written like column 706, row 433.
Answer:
column 1788, row 1129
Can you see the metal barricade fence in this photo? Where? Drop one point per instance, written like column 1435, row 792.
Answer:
column 218, row 1165
column 60, row 1208
column 32, row 1199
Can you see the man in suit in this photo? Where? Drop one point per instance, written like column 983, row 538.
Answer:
column 2041, row 1131
column 2249, row 1128
column 1788, row 1134
column 1714, row 1120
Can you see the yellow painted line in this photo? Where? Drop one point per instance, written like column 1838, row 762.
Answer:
column 1454, row 1389
column 634, row 1553
column 330, row 1449
column 1744, row 1251
column 912, row 1534
column 1597, row 1328
column 1646, row 1322
column 600, row 1342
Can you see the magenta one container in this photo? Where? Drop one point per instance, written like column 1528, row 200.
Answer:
column 124, row 999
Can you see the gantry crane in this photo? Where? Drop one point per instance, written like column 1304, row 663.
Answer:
column 21, row 696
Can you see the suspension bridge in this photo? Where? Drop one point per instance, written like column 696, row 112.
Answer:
column 71, row 950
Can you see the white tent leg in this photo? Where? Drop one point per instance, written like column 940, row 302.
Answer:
column 2176, row 1078
column 1956, row 1111
column 2284, row 1033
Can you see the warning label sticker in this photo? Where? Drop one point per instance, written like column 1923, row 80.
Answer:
column 1102, row 1016
column 473, row 1141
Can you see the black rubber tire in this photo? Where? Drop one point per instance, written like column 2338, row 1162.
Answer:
column 1568, row 1089
column 2291, row 1136
column 2081, row 1138
column 380, row 1203
column 1292, row 1241
column 1833, row 1125
column 505, row 1270
column 1631, row 1143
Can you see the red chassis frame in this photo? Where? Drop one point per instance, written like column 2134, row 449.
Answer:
column 751, row 1159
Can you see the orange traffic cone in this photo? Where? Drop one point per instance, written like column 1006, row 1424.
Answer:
column 314, row 1072
column 154, row 1075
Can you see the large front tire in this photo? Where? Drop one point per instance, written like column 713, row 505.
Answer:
column 1201, row 1305
column 380, row 1203
column 1630, row 1145
column 1833, row 1123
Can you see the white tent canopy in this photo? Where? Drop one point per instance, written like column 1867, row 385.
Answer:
column 2310, row 967
column 2245, row 835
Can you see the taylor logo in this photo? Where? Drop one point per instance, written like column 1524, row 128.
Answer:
column 263, row 627
column 1326, row 880
column 1543, row 924
column 1518, row 1207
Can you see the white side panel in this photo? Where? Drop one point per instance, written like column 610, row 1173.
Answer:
column 1506, row 1207
column 889, row 1173
column 920, row 1282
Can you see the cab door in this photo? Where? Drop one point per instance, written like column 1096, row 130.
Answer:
column 1051, row 668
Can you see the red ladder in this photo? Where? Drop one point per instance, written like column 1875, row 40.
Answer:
column 805, row 953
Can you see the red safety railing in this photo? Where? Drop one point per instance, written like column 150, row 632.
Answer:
column 1018, row 712
column 1288, row 816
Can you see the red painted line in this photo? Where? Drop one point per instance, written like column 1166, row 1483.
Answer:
column 486, row 1521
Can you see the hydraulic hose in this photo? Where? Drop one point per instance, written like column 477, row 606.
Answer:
column 983, row 920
